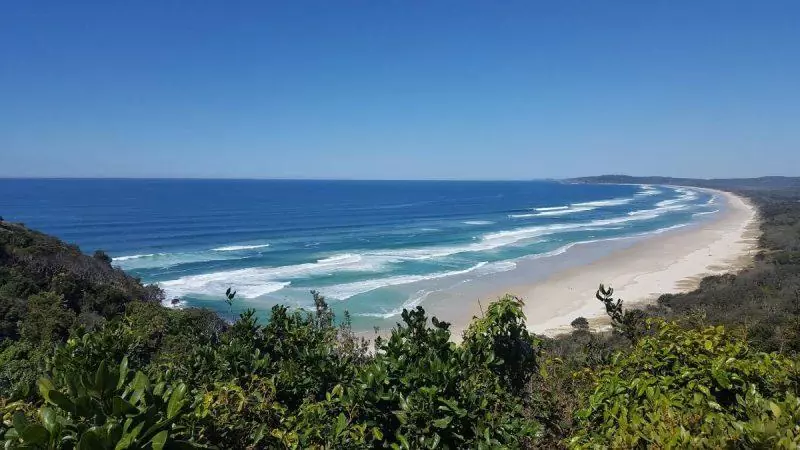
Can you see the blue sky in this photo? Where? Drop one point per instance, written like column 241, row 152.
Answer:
column 399, row 89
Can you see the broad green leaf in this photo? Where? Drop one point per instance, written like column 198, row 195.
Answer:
column 90, row 440
column 121, row 407
column 45, row 385
column 403, row 441
column 159, row 440
column 123, row 372
column 100, row 378
column 35, row 434
column 443, row 422
column 50, row 419
column 138, row 386
column 776, row 410
column 341, row 423
column 20, row 422
column 176, row 400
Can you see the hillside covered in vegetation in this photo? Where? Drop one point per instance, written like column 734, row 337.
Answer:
column 89, row 359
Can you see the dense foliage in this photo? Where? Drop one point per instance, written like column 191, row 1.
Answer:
column 90, row 359
column 692, row 389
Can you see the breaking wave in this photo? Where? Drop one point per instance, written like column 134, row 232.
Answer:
column 238, row 248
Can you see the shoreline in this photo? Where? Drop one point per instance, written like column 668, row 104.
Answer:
column 671, row 262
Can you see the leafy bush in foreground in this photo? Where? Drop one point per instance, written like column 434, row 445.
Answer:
column 298, row 381
column 113, row 409
column 692, row 389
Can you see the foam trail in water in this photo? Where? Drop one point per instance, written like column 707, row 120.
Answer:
column 511, row 236
column 339, row 259
column 553, row 213
column 238, row 248
column 647, row 190
column 601, row 203
column 246, row 284
column 255, row 282
column 163, row 260
column 477, row 222
column 132, row 257
column 551, row 208
column 347, row 290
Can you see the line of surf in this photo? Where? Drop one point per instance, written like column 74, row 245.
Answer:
column 379, row 260
column 167, row 259
column 552, row 213
column 238, row 248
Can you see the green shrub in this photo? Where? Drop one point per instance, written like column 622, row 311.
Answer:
column 692, row 389
column 113, row 409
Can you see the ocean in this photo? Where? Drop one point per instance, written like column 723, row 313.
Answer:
column 371, row 247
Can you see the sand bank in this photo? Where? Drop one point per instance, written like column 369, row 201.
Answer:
column 670, row 262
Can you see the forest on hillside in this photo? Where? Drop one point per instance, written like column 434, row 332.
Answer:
column 89, row 359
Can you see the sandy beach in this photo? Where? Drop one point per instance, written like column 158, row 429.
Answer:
column 668, row 263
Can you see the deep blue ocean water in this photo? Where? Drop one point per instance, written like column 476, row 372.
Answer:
column 372, row 247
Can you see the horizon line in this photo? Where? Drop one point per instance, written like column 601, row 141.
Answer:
column 282, row 179
column 381, row 179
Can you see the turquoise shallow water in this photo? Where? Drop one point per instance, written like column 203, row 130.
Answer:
column 372, row 247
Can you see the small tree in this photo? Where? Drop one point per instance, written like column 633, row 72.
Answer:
column 580, row 324
column 502, row 334
column 629, row 323
column 229, row 300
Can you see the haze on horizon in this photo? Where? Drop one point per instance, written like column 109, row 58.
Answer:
column 401, row 90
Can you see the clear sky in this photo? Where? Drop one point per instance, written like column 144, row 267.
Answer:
column 399, row 89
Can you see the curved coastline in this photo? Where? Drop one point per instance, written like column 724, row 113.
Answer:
column 669, row 262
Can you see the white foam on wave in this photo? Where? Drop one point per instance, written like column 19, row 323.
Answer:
column 602, row 203
column 421, row 295
column 248, row 283
column 237, row 248
column 510, row 236
column 477, row 222
column 665, row 203
column 647, row 190
column 674, row 204
column 496, row 267
column 493, row 240
column 339, row 259
column 163, row 260
column 686, row 194
column 551, row 208
column 553, row 213
column 347, row 290
column 132, row 257
column 255, row 282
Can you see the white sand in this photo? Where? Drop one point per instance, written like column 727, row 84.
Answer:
column 668, row 263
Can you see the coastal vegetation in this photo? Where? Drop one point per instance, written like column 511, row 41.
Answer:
column 89, row 359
